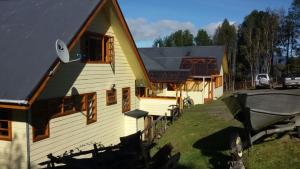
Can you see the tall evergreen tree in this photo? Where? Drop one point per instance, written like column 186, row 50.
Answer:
column 226, row 35
column 178, row 38
column 158, row 42
column 202, row 38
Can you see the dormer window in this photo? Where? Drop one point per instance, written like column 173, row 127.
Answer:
column 97, row 48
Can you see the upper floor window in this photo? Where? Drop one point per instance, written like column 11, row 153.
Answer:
column 5, row 126
column 97, row 48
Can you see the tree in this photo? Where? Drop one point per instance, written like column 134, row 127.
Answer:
column 158, row 42
column 295, row 15
column 178, row 38
column 226, row 35
column 269, row 27
column 258, row 36
column 202, row 38
column 290, row 31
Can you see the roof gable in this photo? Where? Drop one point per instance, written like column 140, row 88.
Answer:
column 170, row 57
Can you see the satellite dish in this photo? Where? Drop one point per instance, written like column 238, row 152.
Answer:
column 62, row 51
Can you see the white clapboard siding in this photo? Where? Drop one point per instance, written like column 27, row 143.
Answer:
column 13, row 154
column 130, row 125
column 157, row 106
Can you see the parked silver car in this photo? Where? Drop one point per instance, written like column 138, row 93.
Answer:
column 291, row 80
column 263, row 81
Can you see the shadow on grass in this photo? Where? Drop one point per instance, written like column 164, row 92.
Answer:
column 181, row 166
column 216, row 146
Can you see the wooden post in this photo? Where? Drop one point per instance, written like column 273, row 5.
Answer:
column 212, row 88
column 180, row 104
column 165, row 125
column 203, row 89
column 176, row 92
column 151, row 130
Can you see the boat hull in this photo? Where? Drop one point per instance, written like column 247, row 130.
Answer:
column 260, row 110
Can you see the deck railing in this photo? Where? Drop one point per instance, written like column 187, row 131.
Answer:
column 155, row 129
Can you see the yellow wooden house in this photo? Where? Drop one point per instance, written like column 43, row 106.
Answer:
column 47, row 106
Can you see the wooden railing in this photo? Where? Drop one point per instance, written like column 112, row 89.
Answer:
column 155, row 128
column 159, row 97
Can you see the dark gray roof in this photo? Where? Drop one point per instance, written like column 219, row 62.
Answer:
column 169, row 76
column 169, row 58
column 137, row 113
column 28, row 30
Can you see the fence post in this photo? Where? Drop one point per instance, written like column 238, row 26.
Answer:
column 165, row 125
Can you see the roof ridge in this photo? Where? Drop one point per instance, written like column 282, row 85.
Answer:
column 181, row 47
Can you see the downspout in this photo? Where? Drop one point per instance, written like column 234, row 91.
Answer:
column 28, row 138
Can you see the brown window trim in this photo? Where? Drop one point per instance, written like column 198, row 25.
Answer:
column 140, row 91
column 126, row 109
column 94, row 119
column 218, row 81
column 111, row 102
column 108, row 59
column 9, row 129
column 69, row 112
column 171, row 87
column 41, row 137
column 62, row 113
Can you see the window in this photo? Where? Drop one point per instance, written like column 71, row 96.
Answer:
column 44, row 110
column 40, row 130
column 125, row 99
column 91, row 108
column 111, row 97
column 66, row 105
column 140, row 91
column 97, row 48
column 40, row 118
column 219, row 82
column 171, row 87
column 5, row 126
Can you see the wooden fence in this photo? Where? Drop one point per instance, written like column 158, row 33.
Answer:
column 155, row 128
column 243, row 85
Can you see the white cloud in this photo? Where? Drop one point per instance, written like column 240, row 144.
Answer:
column 144, row 30
column 211, row 27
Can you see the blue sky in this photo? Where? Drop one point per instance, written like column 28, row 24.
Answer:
column 149, row 19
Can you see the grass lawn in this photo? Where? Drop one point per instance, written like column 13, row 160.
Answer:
column 202, row 136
